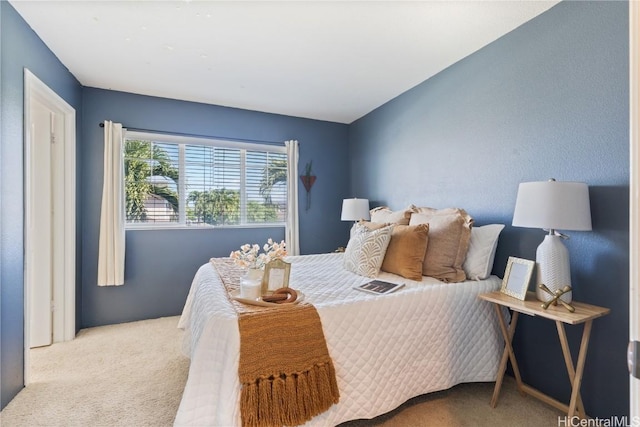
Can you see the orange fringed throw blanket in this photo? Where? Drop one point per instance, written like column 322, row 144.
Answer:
column 286, row 373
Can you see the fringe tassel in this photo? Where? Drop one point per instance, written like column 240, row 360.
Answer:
column 291, row 406
column 324, row 398
column 314, row 393
column 335, row 392
column 265, row 403
column 279, row 401
column 248, row 399
column 302, row 396
column 289, row 400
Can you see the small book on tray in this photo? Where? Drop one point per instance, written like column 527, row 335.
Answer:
column 379, row 287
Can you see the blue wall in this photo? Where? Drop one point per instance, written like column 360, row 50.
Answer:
column 21, row 48
column 160, row 265
column 549, row 99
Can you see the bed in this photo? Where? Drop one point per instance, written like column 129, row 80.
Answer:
column 425, row 337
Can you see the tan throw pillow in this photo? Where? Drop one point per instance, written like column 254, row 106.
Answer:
column 449, row 234
column 406, row 251
column 370, row 225
column 385, row 215
column 365, row 250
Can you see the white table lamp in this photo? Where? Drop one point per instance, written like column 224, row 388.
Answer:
column 355, row 210
column 553, row 205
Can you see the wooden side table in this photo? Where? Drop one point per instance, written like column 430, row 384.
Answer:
column 584, row 313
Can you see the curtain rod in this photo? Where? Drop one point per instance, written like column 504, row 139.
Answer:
column 101, row 124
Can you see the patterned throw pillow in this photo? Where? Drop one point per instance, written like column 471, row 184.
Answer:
column 365, row 250
column 370, row 225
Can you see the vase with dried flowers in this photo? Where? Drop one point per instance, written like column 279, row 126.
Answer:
column 250, row 258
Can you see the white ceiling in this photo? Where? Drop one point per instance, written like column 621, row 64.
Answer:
column 326, row 60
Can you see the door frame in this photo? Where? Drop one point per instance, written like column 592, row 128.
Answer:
column 634, row 193
column 64, row 323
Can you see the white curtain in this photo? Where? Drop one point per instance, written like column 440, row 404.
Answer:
column 292, row 238
column 112, row 215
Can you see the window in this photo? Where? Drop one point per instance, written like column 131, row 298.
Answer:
column 173, row 180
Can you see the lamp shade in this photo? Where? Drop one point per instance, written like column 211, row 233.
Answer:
column 355, row 209
column 553, row 205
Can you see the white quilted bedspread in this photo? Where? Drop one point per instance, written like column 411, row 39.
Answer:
column 425, row 337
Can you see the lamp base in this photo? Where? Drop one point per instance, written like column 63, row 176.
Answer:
column 552, row 268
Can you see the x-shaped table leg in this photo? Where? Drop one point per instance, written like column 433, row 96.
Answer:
column 508, row 354
column 575, row 376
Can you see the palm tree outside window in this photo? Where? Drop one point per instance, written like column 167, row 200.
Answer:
column 183, row 181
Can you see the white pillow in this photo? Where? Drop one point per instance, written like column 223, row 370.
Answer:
column 482, row 251
column 366, row 249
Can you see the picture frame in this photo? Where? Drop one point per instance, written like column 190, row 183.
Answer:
column 276, row 276
column 517, row 276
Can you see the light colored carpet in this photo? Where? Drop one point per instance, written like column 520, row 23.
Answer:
column 133, row 374
column 467, row 405
column 126, row 375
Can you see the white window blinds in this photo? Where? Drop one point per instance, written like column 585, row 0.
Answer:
column 176, row 180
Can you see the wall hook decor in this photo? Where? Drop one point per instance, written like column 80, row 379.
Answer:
column 308, row 179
